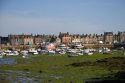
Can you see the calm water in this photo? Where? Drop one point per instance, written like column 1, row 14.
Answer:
column 7, row 61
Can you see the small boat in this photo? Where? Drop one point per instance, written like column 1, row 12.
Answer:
column 72, row 55
column 62, row 52
column 51, row 52
column 90, row 53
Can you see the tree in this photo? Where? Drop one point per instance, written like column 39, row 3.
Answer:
column 53, row 39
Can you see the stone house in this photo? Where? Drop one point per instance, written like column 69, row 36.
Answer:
column 65, row 38
column 108, row 37
column 121, row 37
column 21, row 39
column 76, row 39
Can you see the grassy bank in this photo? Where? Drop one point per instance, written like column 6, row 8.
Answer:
column 61, row 68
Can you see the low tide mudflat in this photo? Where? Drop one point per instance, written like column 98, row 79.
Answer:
column 64, row 69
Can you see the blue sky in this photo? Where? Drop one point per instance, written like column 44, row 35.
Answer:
column 54, row 16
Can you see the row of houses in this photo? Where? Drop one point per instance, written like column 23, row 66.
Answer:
column 106, row 38
column 66, row 38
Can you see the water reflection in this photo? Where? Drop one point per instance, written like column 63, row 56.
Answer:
column 7, row 61
column 18, row 77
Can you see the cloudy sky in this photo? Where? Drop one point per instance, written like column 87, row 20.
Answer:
column 54, row 16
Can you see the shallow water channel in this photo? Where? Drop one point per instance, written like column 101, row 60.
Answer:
column 10, row 76
column 7, row 61
column 14, row 76
column 17, row 77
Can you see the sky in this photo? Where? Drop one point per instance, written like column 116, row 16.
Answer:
column 54, row 16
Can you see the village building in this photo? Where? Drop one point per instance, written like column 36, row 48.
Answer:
column 38, row 39
column 122, row 37
column 116, row 38
column 28, row 40
column 58, row 40
column 83, row 38
column 88, row 39
column 16, row 39
column 108, row 37
column 65, row 38
column 94, row 39
column 76, row 39
column 100, row 39
column 4, row 40
column 21, row 39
